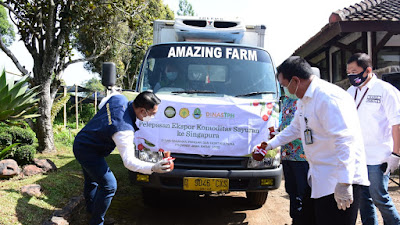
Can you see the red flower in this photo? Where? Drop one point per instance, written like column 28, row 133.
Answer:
column 256, row 103
column 140, row 147
column 265, row 117
column 161, row 150
column 270, row 105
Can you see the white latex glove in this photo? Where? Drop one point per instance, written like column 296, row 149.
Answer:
column 392, row 163
column 161, row 166
column 343, row 195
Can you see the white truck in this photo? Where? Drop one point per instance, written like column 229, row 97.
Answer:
column 219, row 98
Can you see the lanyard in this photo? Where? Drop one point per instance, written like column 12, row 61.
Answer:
column 355, row 96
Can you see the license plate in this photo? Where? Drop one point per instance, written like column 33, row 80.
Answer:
column 205, row 184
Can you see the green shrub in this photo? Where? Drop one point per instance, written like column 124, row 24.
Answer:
column 86, row 113
column 23, row 154
column 5, row 139
column 63, row 135
column 23, row 136
column 25, row 151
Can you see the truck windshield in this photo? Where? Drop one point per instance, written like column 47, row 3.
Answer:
column 208, row 69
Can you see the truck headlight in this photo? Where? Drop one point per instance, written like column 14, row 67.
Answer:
column 149, row 156
column 271, row 160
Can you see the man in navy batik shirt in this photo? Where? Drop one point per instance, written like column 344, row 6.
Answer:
column 113, row 126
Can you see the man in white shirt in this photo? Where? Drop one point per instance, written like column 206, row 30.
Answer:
column 378, row 105
column 327, row 123
column 113, row 126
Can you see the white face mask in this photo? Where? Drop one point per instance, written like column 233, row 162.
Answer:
column 147, row 118
column 288, row 94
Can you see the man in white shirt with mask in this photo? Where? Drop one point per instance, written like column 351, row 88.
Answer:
column 378, row 106
column 327, row 123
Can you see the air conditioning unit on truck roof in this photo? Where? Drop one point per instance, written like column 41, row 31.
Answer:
column 208, row 29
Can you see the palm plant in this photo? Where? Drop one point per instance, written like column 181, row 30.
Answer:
column 16, row 101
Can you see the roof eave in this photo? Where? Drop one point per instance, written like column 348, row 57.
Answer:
column 330, row 31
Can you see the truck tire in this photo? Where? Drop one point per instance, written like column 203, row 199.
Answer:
column 257, row 199
column 150, row 196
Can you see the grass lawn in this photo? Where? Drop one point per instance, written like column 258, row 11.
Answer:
column 57, row 188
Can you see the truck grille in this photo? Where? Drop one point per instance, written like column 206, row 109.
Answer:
column 224, row 24
column 195, row 23
column 203, row 23
column 186, row 161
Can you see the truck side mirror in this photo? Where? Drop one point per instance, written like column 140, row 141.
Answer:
column 109, row 76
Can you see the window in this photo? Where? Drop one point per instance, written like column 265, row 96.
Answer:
column 388, row 56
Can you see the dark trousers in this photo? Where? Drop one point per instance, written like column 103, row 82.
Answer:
column 324, row 210
column 295, row 173
column 99, row 187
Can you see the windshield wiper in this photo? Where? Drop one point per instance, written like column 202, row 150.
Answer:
column 255, row 93
column 194, row 92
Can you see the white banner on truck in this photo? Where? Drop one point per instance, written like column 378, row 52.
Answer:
column 223, row 126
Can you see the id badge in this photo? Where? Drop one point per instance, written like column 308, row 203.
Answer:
column 308, row 136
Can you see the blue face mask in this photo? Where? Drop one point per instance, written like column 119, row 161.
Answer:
column 288, row 94
column 357, row 79
column 172, row 75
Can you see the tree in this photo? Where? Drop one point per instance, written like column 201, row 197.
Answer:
column 7, row 34
column 131, row 38
column 143, row 27
column 185, row 8
column 47, row 29
column 94, row 84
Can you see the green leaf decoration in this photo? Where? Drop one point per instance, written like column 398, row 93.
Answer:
column 148, row 143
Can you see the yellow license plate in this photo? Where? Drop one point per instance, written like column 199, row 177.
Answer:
column 205, row 184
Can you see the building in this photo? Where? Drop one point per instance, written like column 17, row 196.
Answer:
column 371, row 26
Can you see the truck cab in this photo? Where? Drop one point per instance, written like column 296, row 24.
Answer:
column 219, row 98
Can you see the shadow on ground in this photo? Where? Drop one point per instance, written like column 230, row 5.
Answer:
column 175, row 207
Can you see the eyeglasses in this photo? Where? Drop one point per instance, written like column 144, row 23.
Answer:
column 150, row 113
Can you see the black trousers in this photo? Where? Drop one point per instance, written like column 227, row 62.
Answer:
column 324, row 210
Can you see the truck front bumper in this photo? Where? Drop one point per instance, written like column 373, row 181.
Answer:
column 239, row 180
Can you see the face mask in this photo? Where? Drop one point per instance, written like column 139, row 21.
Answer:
column 171, row 75
column 357, row 79
column 288, row 94
column 147, row 118
column 287, row 90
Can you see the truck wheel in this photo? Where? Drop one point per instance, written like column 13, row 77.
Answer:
column 150, row 196
column 257, row 199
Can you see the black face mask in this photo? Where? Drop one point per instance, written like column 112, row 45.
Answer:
column 357, row 79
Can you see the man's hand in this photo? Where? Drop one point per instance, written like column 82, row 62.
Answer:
column 343, row 195
column 259, row 151
column 392, row 163
column 162, row 166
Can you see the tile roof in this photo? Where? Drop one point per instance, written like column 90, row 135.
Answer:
column 369, row 10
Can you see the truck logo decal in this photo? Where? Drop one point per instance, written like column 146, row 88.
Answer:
column 212, row 52
column 184, row 112
column 170, row 112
